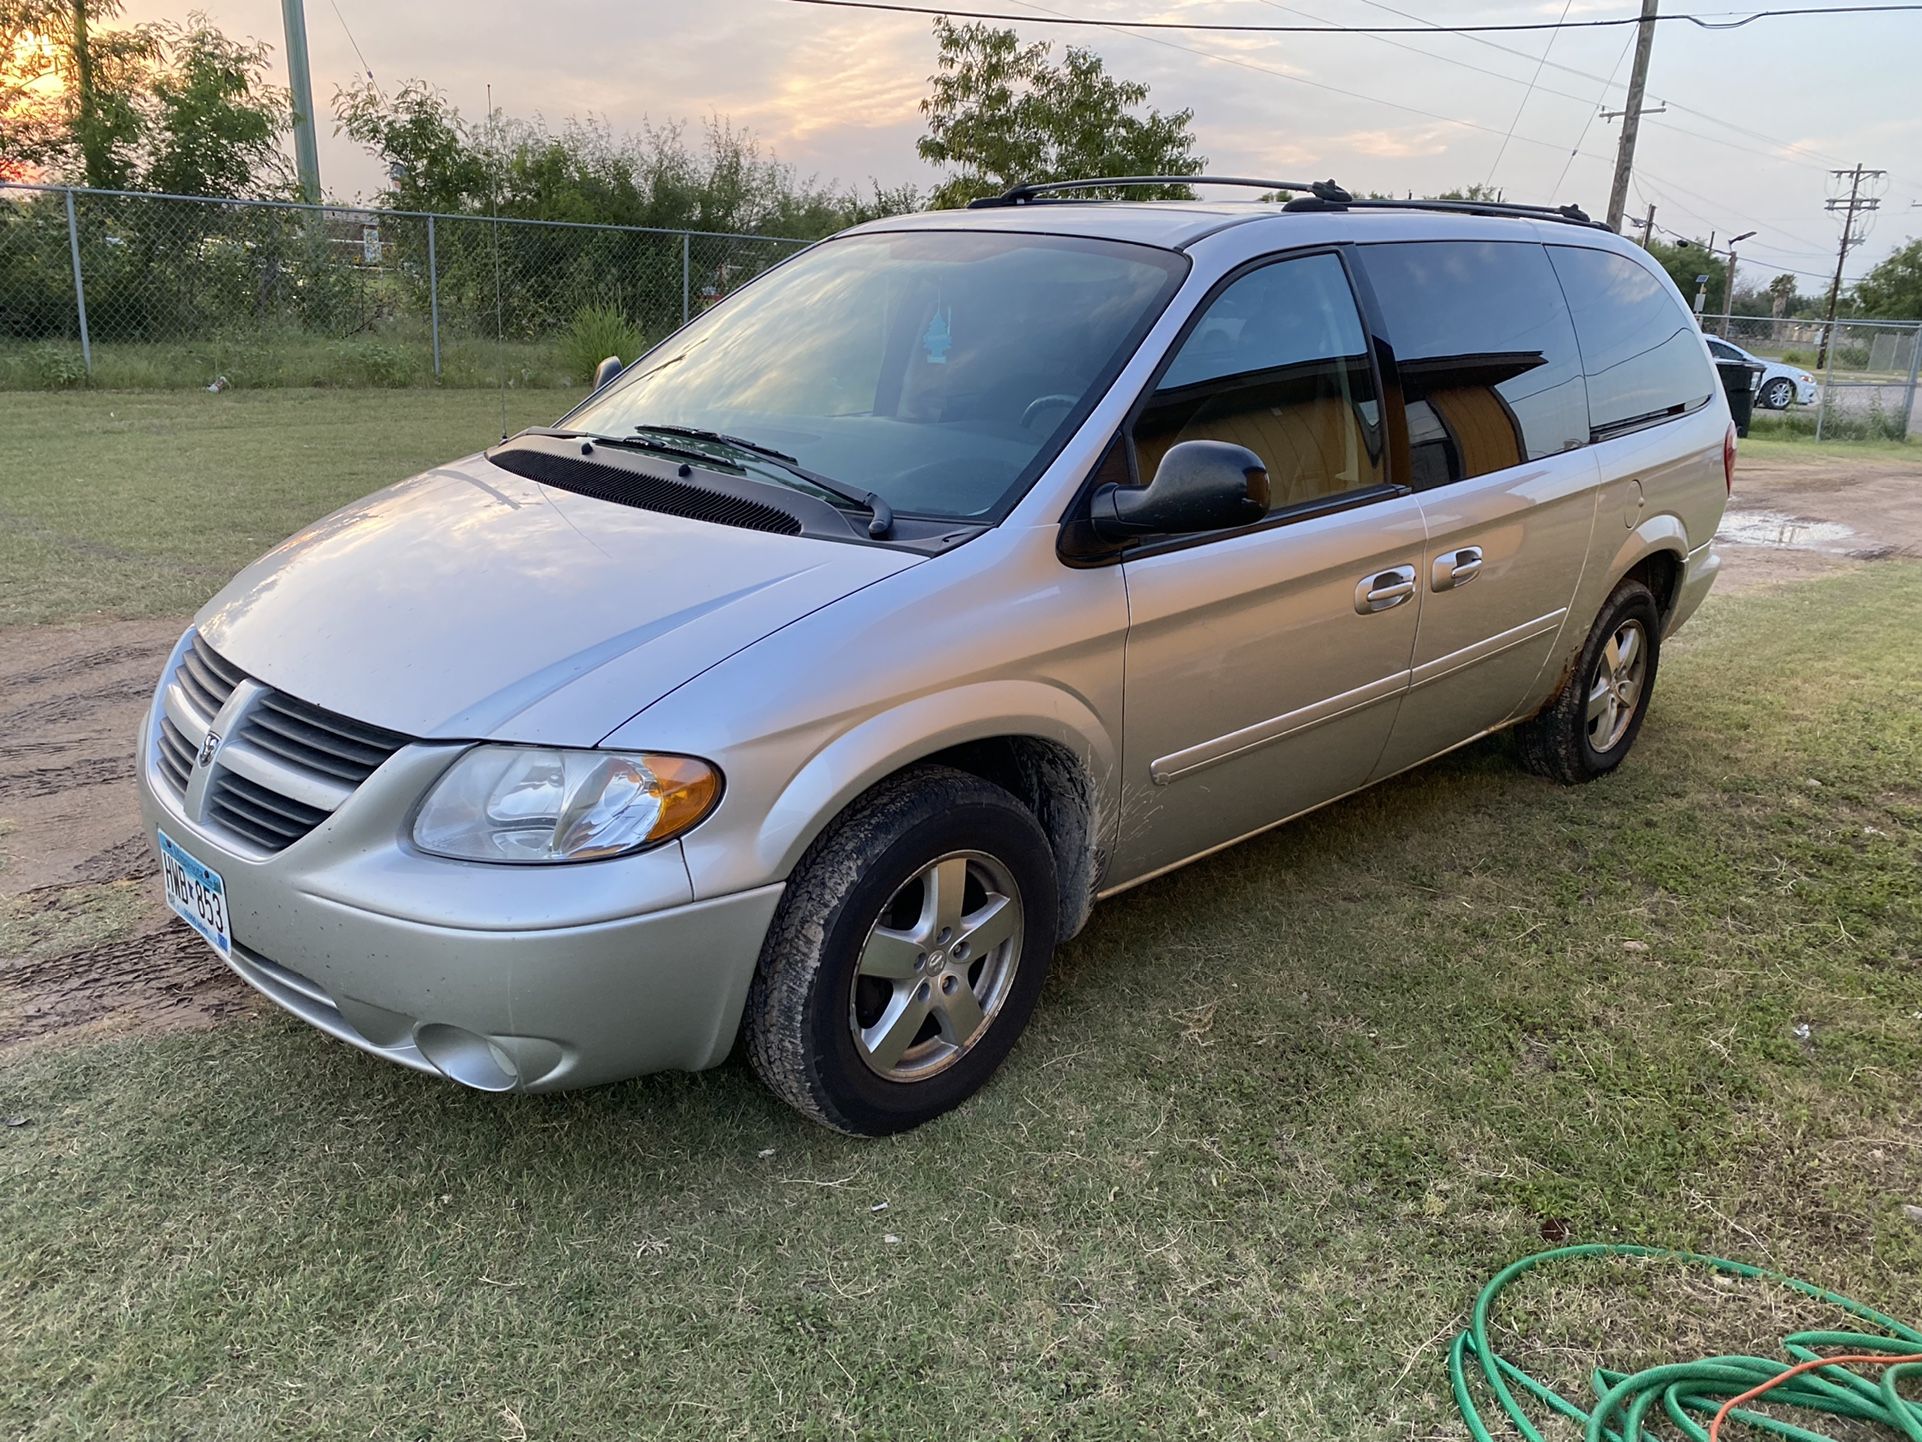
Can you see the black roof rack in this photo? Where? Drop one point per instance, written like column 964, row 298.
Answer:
column 1324, row 190
column 1568, row 214
column 1316, row 195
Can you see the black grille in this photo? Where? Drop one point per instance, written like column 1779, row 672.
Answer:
column 317, row 740
column 264, row 817
column 176, row 755
column 645, row 492
column 206, row 678
column 295, row 746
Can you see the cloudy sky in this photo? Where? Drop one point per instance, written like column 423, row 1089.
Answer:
column 1770, row 108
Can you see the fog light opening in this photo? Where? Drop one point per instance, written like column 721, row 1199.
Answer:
column 465, row 1057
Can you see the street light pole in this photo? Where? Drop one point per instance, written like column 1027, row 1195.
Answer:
column 1728, row 297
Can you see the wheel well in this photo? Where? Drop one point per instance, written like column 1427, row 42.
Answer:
column 1052, row 783
column 1661, row 572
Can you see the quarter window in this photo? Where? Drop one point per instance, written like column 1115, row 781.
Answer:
column 1490, row 373
column 1640, row 347
column 1277, row 363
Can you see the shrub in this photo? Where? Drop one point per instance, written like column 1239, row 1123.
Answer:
column 596, row 332
column 56, row 367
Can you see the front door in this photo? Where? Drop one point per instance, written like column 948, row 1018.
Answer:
column 1491, row 384
column 1265, row 664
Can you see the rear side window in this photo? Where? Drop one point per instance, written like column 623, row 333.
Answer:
column 1640, row 348
column 1490, row 371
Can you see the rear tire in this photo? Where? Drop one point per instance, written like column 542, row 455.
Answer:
column 1587, row 730
column 907, row 954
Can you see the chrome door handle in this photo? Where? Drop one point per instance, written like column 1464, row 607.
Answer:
column 1457, row 568
column 1384, row 590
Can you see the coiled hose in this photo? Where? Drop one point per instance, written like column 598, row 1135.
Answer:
column 1712, row 1387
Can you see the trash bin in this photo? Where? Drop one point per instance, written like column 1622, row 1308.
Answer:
column 1738, row 382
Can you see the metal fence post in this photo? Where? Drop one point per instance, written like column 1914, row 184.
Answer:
column 1828, row 382
column 433, row 295
column 1915, row 373
column 684, row 277
column 79, row 285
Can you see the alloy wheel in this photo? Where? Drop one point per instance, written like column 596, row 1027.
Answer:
column 936, row 967
column 1616, row 688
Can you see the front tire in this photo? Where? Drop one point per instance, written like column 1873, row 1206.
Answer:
column 907, row 954
column 1587, row 730
column 1778, row 394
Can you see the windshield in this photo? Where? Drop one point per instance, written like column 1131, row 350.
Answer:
column 940, row 370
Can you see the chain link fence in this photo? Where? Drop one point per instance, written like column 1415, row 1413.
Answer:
column 120, row 289
column 1855, row 380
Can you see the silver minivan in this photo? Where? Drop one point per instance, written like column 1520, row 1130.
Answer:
column 812, row 680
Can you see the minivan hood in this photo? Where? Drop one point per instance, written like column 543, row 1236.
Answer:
column 469, row 602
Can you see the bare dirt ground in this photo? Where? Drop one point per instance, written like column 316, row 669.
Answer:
column 1797, row 517
column 71, row 850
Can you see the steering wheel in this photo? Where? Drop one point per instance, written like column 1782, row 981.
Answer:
column 1041, row 403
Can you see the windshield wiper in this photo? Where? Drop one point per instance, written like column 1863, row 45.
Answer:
column 880, row 514
column 639, row 443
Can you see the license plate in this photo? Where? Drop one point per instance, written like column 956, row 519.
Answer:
column 197, row 893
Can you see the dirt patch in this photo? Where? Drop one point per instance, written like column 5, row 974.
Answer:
column 159, row 979
column 75, row 696
column 1794, row 518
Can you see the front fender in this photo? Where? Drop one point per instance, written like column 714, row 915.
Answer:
column 843, row 765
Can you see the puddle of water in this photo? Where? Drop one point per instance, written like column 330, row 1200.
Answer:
column 1771, row 528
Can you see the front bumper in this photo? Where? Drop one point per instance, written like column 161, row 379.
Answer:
column 528, row 978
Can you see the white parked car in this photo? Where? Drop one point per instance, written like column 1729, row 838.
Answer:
column 1779, row 386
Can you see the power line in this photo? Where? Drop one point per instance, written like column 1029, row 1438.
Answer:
column 1503, row 148
column 1576, row 148
column 1301, row 80
column 1701, row 19
column 1609, row 82
column 356, row 46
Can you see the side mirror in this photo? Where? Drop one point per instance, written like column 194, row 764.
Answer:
column 1199, row 486
column 606, row 371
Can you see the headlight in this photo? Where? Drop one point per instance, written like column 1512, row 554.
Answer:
column 1807, row 379
column 534, row 804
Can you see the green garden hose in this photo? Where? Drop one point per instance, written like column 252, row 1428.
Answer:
column 1687, row 1392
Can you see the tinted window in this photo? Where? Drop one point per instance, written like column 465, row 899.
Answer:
column 940, row 369
column 1640, row 347
column 1278, row 363
column 1722, row 351
column 1489, row 367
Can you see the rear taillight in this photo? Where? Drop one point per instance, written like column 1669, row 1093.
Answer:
column 1728, row 459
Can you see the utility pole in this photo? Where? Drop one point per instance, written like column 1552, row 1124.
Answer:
column 1632, row 115
column 300, row 85
column 1856, row 203
column 1728, row 295
column 1648, row 225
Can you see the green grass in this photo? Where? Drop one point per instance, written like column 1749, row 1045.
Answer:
column 397, row 356
column 139, row 504
column 1279, row 1116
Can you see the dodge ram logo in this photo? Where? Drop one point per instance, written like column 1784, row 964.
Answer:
column 208, row 747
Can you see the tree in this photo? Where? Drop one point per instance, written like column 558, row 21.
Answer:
column 70, row 91
column 1686, row 259
column 1781, row 294
column 215, row 123
column 177, row 107
column 1000, row 112
column 438, row 160
column 1894, row 288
